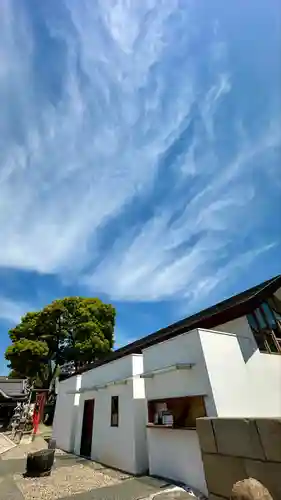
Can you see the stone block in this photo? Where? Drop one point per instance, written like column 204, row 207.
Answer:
column 270, row 435
column 222, row 472
column 216, row 497
column 238, row 437
column 206, row 435
column 268, row 473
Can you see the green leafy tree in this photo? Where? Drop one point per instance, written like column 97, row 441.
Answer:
column 71, row 329
column 14, row 374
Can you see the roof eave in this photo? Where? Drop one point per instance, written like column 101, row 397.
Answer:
column 232, row 311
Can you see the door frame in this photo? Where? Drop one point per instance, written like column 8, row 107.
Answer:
column 87, row 428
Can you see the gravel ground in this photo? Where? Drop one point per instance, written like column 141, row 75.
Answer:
column 72, row 478
column 64, row 481
column 70, row 475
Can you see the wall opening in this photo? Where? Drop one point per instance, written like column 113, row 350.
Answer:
column 87, row 428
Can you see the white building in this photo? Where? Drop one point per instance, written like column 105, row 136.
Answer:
column 221, row 362
column 202, row 373
column 108, row 414
column 66, row 413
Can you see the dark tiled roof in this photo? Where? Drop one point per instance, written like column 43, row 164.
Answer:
column 225, row 311
column 10, row 380
column 12, row 387
column 5, row 396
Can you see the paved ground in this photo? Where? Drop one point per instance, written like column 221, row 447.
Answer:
column 5, row 443
column 72, row 478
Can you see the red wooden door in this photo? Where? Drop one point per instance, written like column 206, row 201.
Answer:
column 87, row 428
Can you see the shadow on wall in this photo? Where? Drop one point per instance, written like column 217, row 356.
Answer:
column 248, row 347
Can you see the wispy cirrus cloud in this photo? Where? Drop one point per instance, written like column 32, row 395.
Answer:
column 136, row 140
column 11, row 311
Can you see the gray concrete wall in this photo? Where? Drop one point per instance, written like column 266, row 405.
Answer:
column 236, row 448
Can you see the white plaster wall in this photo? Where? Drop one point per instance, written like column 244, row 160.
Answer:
column 140, row 419
column 137, row 364
column 66, row 413
column 185, row 348
column 123, row 447
column 265, row 373
column 240, row 326
column 232, row 373
column 115, row 370
column 242, row 329
column 113, row 446
column 175, row 454
column 241, row 387
column 227, row 373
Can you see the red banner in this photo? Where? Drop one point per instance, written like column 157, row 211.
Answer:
column 38, row 410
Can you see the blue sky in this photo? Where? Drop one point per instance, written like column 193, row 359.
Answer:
column 140, row 149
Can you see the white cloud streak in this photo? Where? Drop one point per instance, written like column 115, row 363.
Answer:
column 72, row 159
column 11, row 311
